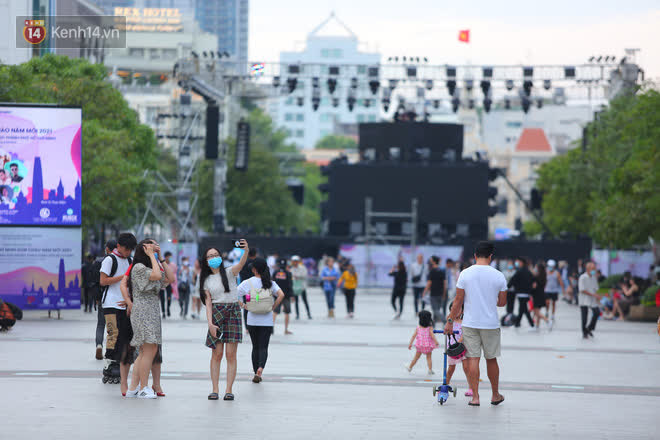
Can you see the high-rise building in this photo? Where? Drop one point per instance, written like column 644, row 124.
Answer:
column 9, row 10
column 331, row 44
column 228, row 19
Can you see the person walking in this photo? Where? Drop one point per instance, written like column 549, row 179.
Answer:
column 522, row 283
column 554, row 285
column 589, row 299
column 425, row 342
column 436, row 286
column 89, row 283
column 260, row 325
column 417, row 275
column 223, row 313
column 195, row 294
column 480, row 290
column 399, row 290
column 540, row 281
column 166, row 293
column 299, row 273
column 349, row 282
column 282, row 276
column 184, row 285
column 329, row 276
column 146, row 278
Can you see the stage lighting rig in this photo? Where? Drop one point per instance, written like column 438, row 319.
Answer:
column 332, row 85
column 373, row 86
column 547, row 84
column 351, row 103
column 451, row 87
column 455, row 103
column 487, row 104
column 335, row 102
column 527, row 87
column 429, row 84
column 469, row 84
column 485, row 87
column 291, row 84
column 276, row 81
column 509, row 84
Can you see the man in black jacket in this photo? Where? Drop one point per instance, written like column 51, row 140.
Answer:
column 523, row 284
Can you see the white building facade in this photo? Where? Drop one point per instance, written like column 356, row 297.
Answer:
column 330, row 45
column 9, row 10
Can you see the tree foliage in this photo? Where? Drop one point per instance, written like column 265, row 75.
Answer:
column 116, row 148
column 333, row 142
column 610, row 191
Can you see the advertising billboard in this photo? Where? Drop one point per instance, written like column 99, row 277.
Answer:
column 40, row 267
column 40, row 165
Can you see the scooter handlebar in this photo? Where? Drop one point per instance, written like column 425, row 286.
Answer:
column 442, row 331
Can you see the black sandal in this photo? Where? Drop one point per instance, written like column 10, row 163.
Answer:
column 498, row 402
column 473, row 404
column 228, row 396
column 214, row 396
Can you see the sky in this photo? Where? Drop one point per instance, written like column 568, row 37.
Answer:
column 501, row 32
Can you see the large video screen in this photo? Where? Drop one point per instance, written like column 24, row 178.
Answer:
column 40, row 165
column 40, row 267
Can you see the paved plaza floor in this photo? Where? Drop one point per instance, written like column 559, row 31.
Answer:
column 335, row 379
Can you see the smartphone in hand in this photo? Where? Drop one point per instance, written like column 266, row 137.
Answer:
column 237, row 244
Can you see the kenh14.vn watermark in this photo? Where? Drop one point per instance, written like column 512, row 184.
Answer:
column 71, row 31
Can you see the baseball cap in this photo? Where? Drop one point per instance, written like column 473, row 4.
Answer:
column 552, row 263
column 295, row 258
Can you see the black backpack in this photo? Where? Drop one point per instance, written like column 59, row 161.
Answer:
column 113, row 272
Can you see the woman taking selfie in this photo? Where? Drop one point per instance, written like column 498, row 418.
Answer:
column 262, row 292
column 223, row 312
column 146, row 278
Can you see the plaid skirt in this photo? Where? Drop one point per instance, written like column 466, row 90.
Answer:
column 227, row 316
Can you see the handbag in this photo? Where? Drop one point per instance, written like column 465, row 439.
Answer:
column 261, row 301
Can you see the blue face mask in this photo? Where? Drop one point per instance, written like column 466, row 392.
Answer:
column 215, row 263
column 517, row 264
column 156, row 255
column 593, row 272
column 510, row 267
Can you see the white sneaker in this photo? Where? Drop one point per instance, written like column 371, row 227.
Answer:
column 146, row 393
column 551, row 323
column 431, row 372
column 132, row 394
column 407, row 367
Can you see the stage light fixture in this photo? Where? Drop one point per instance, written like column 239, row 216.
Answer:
column 547, row 84
column 487, row 72
column 469, row 84
column 205, row 54
column 294, row 69
column 354, row 83
column 335, row 102
column 429, row 84
column 411, row 71
column 301, row 101
column 315, row 82
column 527, row 87
column 372, row 72
column 451, row 72
column 194, row 54
column 471, row 103
column 351, row 103
column 436, row 103
column 539, row 102
column 219, row 54
column 528, row 72
column 367, row 103
column 591, row 59
column 524, row 100
column 393, row 83
column 487, row 103
column 386, row 104
column 509, row 84
column 404, row 59
column 507, row 104
column 373, row 86
column 332, row 85
column 451, row 87
column 276, row 81
column 316, row 100
column 291, row 84
column 226, row 54
column 485, row 87
column 426, row 60
column 455, row 102
column 569, row 72
column 212, row 54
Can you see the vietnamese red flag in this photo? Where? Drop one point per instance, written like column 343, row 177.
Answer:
column 464, row 36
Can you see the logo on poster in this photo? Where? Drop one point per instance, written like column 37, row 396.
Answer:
column 34, row 31
column 44, row 213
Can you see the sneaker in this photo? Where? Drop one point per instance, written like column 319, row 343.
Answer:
column 146, row 393
column 132, row 394
column 99, row 352
column 407, row 367
column 431, row 372
column 551, row 324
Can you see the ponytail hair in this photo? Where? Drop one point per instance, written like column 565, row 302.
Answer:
column 260, row 265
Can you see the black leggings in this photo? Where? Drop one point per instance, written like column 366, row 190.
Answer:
column 350, row 300
column 260, row 336
column 396, row 293
column 417, row 292
column 523, row 310
column 584, row 310
column 166, row 292
column 303, row 295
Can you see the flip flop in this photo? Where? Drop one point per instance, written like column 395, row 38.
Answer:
column 228, row 396
column 498, row 402
column 213, row 396
column 256, row 379
column 473, row 404
column 160, row 394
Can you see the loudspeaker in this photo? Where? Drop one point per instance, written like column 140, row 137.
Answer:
column 242, row 146
column 212, row 122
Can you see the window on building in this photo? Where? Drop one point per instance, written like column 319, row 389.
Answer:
column 288, row 117
column 362, row 70
column 136, row 52
column 300, row 133
column 154, row 54
column 372, row 118
column 513, row 124
column 326, row 117
column 289, row 101
column 331, row 53
column 324, row 133
column 169, row 54
column 360, row 118
column 300, row 117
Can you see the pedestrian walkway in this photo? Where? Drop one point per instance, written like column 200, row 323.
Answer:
column 335, row 379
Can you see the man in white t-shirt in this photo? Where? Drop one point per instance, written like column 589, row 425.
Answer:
column 482, row 289
column 117, row 323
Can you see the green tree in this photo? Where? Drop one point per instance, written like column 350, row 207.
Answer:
column 332, row 142
column 116, row 148
column 610, row 191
